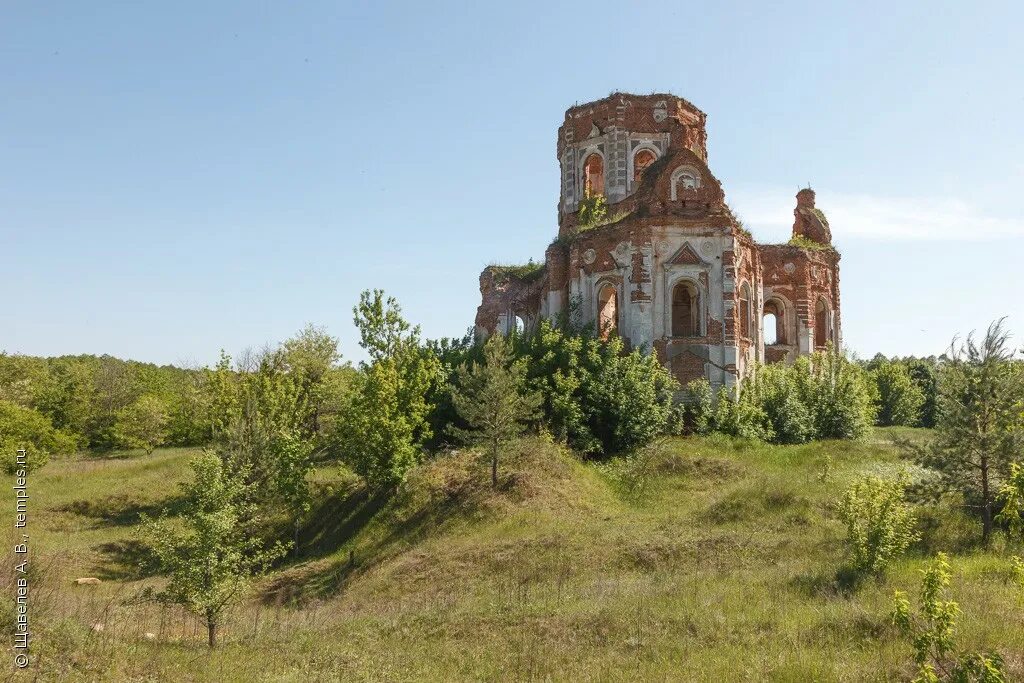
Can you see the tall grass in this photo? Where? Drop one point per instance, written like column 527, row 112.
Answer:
column 697, row 559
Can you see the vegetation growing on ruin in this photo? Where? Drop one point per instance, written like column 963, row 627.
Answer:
column 808, row 243
column 593, row 213
column 526, row 272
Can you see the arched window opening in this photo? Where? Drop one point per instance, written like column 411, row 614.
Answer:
column 593, row 175
column 774, row 323
column 607, row 311
column 684, row 178
column 685, row 310
column 821, row 315
column 519, row 325
column 745, row 311
column 771, row 335
column 641, row 160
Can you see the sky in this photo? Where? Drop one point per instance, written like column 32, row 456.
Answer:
column 181, row 178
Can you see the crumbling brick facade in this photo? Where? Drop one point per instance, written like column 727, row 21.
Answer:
column 670, row 269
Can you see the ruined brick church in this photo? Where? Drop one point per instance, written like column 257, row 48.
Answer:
column 668, row 267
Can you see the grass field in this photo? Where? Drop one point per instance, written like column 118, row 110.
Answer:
column 700, row 559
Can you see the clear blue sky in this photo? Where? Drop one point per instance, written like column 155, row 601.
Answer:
column 181, row 177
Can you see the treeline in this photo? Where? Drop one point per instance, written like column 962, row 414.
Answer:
column 83, row 396
column 68, row 403
column 392, row 410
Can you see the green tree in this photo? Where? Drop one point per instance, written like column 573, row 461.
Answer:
column 932, row 631
column 979, row 425
column 879, row 524
column 65, row 395
column 210, row 555
column 376, row 437
column 382, row 431
column 925, row 373
column 313, row 355
column 493, row 398
column 260, row 424
column 142, row 424
column 899, row 398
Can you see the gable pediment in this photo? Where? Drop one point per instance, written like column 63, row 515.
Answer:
column 686, row 256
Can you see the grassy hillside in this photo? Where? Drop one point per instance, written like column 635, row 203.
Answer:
column 700, row 559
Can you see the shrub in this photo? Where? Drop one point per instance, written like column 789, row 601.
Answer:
column 836, row 390
column 25, row 428
column 932, row 631
column 822, row 397
column 899, row 397
column 776, row 390
column 741, row 416
column 1017, row 572
column 698, row 407
column 628, row 398
column 879, row 524
column 596, row 397
column 555, row 368
column 1011, row 496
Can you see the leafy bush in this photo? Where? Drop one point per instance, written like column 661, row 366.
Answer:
column 1017, row 572
column 741, row 415
column 825, row 396
column 879, row 524
column 596, row 397
column 899, row 397
column 836, row 390
column 629, row 397
column 776, row 389
column 698, row 407
column 808, row 243
column 1011, row 496
column 25, row 428
column 932, row 632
